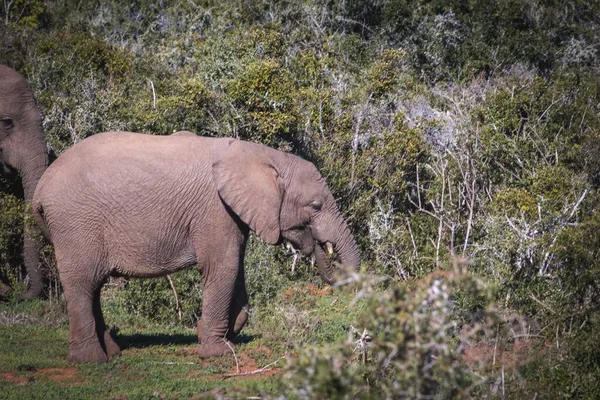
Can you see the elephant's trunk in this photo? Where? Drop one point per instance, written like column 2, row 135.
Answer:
column 344, row 249
column 32, row 175
column 31, row 169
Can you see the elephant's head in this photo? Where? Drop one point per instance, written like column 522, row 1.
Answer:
column 22, row 146
column 283, row 197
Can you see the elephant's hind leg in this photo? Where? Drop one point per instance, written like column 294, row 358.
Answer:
column 81, row 282
column 84, row 345
column 106, row 341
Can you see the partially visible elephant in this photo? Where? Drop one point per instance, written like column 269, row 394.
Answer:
column 128, row 204
column 24, row 154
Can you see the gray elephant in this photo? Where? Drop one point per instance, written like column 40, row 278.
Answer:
column 24, row 154
column 183, row 133
column 128, row 204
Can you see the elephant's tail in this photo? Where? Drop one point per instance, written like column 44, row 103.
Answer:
column 38, row 215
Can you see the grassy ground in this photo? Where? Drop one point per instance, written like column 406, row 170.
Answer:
column 160, row 361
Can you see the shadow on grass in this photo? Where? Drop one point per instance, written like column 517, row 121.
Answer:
column 141, row 340
column 243, row 338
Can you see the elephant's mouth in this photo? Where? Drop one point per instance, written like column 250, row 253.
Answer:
column 327, row 247
column 4, row 167
column 325, row 257
column 304, row 245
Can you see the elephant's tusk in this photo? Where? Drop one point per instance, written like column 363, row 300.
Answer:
column 329, row 248
column 291, row 247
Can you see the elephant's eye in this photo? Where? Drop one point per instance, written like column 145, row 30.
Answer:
column 316, row 205
column 7, row 123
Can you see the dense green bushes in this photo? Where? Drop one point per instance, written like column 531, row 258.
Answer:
column 11, row 229
column 448, row 131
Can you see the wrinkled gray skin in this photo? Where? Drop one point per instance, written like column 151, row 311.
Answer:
column 183, row 133
column 127, row 204
column 23, row 151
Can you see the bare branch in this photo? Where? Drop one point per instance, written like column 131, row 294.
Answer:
column 237, row 364
column 542, row 304
column 412, row 237
column 255, row 372
column 179, row 313
column 153, row 93
column 576, row 206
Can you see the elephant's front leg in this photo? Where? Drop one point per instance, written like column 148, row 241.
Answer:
column 218, row 292
column 240, row 308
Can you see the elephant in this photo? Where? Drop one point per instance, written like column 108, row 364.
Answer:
column 24, row 155
column 140, row 205
column 183, row 133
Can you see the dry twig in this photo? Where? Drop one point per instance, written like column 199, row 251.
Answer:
column 237, row 364
column 153, row 93
column 362, row 343
column 256, row 371
column 179, row 313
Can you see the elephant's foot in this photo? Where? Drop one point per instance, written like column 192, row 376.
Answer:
column 239, row 323
column 112, row 348
column 216, row 347
column 87, row 354
column 201, row 330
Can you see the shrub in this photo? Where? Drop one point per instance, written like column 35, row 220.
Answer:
column 176, row 298
column 264, row 91
column 170, row 105
column 11, row 234
column 412, row 346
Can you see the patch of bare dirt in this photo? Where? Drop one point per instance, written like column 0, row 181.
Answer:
column 12, row 378
column 247, row 367
column 315, row 291
column 310, row 289
column 60, row 375
column 262, row 349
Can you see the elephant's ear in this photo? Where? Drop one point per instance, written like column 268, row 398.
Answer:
column 248, row 184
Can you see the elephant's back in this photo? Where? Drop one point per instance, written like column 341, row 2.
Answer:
column 123, row 145
column 124, row 164
column 125, row 150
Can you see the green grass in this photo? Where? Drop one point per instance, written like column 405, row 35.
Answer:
column 33, row 364
column 160, row 360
